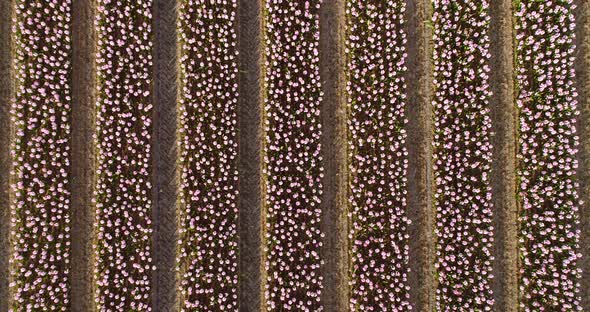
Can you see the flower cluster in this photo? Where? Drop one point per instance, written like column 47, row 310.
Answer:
column 123, row 192
column 208, row 246
column 378, row 158
column 41, row 151
column 547, row 160
column 293, row 156
column 462, row 154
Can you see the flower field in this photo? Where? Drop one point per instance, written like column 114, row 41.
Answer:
column 319, row 62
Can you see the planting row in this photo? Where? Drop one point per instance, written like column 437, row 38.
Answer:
column 462, row 154
column 376, row 90
column 547, row 155
column 123, row 191
column 41, row 154
column 208, row 247
column 292, row 160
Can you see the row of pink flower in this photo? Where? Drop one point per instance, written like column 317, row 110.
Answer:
column 123, row 191
column 462, row 154
column 293, row 156
column 208, row 246
column 41, row 115
column 376, row 91
column 547, row 160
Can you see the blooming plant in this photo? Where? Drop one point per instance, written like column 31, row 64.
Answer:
column 462, row 154
column 378, row 159
column 208, row 247
column 41, row 152
column 547, row 161
column 293, row 156
column 123, row 191
column 375, row 37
